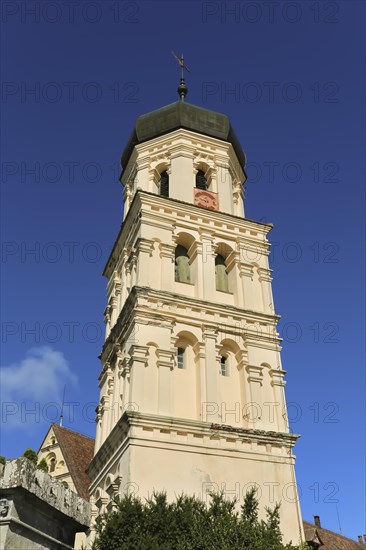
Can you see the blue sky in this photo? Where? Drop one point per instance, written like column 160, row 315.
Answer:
column 290, row 76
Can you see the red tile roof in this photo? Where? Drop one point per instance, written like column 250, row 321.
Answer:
column 329, row 539
column 78, row 451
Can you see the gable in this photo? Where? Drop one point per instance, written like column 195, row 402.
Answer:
column 75, row 449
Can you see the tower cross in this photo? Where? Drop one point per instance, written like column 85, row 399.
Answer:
column 180, row 60
column 182, row 88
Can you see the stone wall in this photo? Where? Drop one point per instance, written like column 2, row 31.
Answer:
column 36, row 511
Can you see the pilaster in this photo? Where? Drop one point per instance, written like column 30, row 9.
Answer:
column 125, row 382
column 145, row 273
column 166, row 252
column 212, row 370
column 246, row 274
column 165, row 364
column 278, row 383
column 208, row 265
column 199, row 349
column 137, row 363
column 254, row 408
column 265, row 279
column 233, row 268
column 195, row 253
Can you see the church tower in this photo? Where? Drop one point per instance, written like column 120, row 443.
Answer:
column 191, row 387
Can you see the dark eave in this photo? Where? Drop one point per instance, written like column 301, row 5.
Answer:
column 182, row 115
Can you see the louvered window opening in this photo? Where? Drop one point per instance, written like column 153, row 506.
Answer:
column 164, row 184
column 201, row 180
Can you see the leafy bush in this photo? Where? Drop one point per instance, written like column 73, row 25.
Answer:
column 31, row 455
column 188, row 524
column 42, row 465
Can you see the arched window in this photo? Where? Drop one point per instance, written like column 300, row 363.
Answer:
column 180, row 358
column 182, row 271
column 222, row 282
column 224, row 369
column 65, row 484
column 164, row 184
column 52, row 464
column 201, row 180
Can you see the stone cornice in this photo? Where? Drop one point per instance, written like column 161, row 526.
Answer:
column 125, row 318
column 204, row 434
column 133, row 309
column 194, row 142
column 212, row 307
column 143, row 199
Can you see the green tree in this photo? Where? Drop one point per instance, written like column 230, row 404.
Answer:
column 249, row 508
column 2, row 460
column 42, row 465
column 188, row 524
column 273, row 522
column 31, row 455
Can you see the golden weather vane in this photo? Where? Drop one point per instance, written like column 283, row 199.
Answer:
column 182, row 88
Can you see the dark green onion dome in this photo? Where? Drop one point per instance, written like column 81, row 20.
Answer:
column 182, row 115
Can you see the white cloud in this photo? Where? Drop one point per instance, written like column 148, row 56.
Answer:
column 35, row 381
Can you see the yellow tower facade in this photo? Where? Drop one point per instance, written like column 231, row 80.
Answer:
column 191, row 387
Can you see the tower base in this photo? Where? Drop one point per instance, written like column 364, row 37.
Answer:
column 146, row 453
